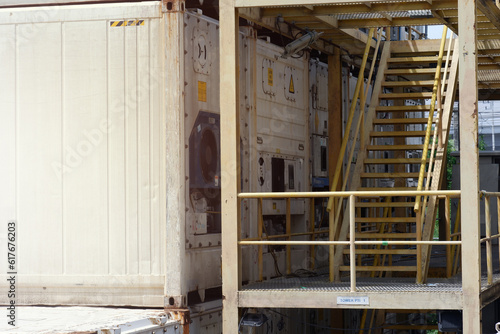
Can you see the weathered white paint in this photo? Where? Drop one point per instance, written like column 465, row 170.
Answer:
column 469, row 167
column 231, row 273
column 83, row 142
column 175, row 282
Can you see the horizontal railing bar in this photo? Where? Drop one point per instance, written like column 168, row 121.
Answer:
column 490, row 193
column 496, row 236
column 293, row 243
column 406, row 242
column 328, row 243
column 277, row 236
column 342, row 194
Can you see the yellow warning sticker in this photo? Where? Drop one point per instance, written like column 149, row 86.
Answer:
column 129, row 23
column 291, row 89
column 269, row 76
column 202, row 91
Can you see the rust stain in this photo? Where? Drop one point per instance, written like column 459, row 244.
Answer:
column 183, row 316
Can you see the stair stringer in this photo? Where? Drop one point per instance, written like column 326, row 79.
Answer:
column 440, row 162
column 358, row 169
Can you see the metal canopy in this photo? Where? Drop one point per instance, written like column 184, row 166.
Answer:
column 340, row 23
column 330, row 18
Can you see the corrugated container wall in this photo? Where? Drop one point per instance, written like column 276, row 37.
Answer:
column 81, row 102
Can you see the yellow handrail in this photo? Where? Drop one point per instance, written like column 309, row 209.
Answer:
column 436, row 87
column 438, row 133
column 352, row 242
column 357, row 130
column 352, row 111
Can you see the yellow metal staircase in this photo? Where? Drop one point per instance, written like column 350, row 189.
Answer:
column 401, row 147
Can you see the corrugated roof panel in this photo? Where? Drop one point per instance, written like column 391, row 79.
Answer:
column 488, row 76
column 378, row 15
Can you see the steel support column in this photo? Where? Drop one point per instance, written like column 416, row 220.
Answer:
column 469, row 167
column 230, row 169
column 175, row 290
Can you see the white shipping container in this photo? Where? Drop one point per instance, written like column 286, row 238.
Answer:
column 86, row 106
column 98, row 105
column 318, row 119
column 100, row 153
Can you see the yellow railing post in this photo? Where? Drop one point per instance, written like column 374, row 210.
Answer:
column 455, row 250
column 489, row 262
column 449, row 258
column 420, row 219
column 289, row 236
column 312, row 229
column 352, row 245
column 331, row 248
column 260, row 224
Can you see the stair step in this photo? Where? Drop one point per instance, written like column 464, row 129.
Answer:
column 406, row 96
column 394, row 147
column 389, row 220
column 385, row 121
column 395, row 71
column 385, row 204
column 389, row 134
column 409, row 83
column 403, row 108
column 386, row 236
column 374, row 229
column 388, row 175
column 383, row 251
column 380, row 268
column 404, row 60
column 387, row 189
column 393, row 161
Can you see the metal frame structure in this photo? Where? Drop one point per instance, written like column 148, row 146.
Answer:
column 477, row 23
